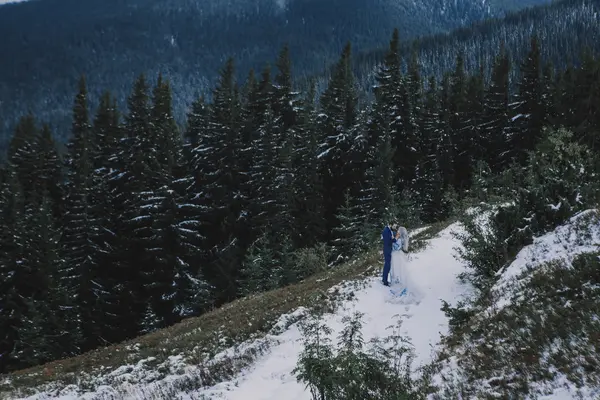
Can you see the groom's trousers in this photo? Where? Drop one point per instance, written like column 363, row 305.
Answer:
column 387, row 261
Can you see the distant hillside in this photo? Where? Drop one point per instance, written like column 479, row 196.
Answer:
column 563, row 29
column 47, row 44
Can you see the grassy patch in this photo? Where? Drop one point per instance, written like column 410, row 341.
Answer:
column 546, row 336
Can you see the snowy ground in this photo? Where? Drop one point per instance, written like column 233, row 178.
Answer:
column 271, row 377
column 581, row 234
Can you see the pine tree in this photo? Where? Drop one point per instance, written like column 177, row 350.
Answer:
column 264, row 149
column 22, row 156
column 221, row 186
column 131, row 186
column 284, row 98
column 197, row 124
column 458, row 109
column 47, row 333
column 376, row 197
column 167, row 139
column 108, row 168
column 14, row 277
column 348, row 239
column 49, row 176
column 430, row 185
column 81, row 228
column 528, row 111
column 495, row 124
column 446, row 150
column 337, row 123
column 176, row 287
column 309, row 225
column 257, row 266
column 407, row 150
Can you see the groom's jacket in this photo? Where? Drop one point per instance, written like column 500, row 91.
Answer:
column 388, row 240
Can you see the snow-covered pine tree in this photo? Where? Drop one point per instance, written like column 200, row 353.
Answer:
column 528, row 115
column 307, row 212
column 471, row 131
column 263, row 172
column 22, row 156
column 47, row 332
column 459, row 122
column 177, row 289
column 495, row 124
column 13, row 275
column 390, row 102
column 257, row 267
column 336, row 123
column 49, row 176
column 167, row 139
column 132, row 227
column 284, row 97
column 429, row 188
column 408, row 143
column 349, row 238
column 446, row 150
column 221, row 187
column 81, row 226
column 108, row 167
column 376, row 199
column 173, row 282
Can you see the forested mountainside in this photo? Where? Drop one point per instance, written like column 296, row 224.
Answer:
column 47, row 44
column 143, row 224
column 563, row 29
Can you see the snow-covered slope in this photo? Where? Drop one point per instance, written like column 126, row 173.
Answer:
column 271, row 376
column 539, row 319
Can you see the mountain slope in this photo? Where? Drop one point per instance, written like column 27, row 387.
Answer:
column 113, row 41
column 262, row 367
column 435, row 268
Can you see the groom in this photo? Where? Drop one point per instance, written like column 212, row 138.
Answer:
column 388, row 242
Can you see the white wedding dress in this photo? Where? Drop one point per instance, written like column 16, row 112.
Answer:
column 402, row 283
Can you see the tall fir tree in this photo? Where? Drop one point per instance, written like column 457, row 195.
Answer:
column 13, row 275
column 337, row 122
column 307, row 212
column 78, row 242
column 221, row 186
column 22, row 155
column 528, row 111
column 495, row 121
column 461, row 141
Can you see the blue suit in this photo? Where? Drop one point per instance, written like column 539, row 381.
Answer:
column 388, row 243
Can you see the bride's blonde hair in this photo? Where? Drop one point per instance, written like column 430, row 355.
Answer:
column 404, row 235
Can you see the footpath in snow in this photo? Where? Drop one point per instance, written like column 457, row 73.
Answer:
column 435, row 267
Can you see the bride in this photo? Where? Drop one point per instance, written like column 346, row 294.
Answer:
column 401, row 281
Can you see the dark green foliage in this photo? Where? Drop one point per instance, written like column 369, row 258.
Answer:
column 258, row 267
column 558, row 181
column 349, row 370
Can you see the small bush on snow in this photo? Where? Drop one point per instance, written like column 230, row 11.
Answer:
column 349, row 371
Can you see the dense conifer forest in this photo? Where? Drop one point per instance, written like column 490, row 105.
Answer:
column 112, row 41
column 140, row 223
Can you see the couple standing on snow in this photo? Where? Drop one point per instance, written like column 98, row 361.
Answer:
column 395, row 255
